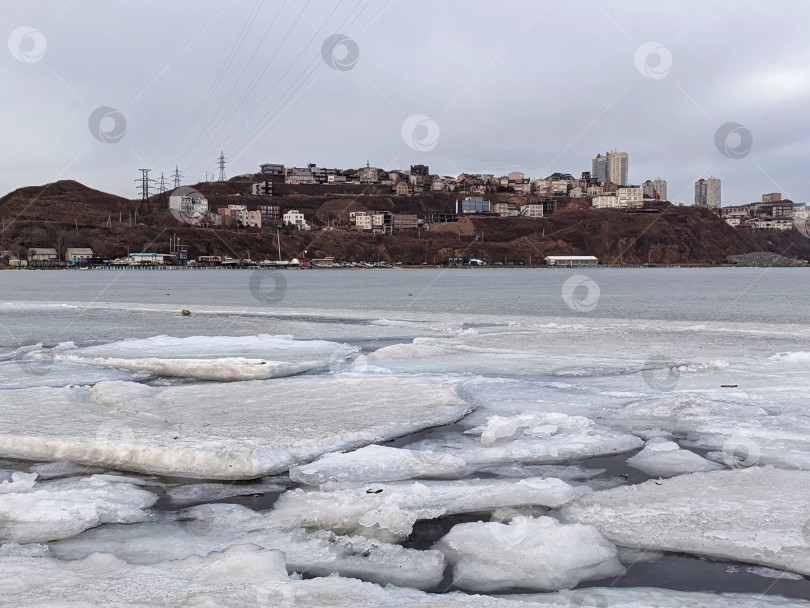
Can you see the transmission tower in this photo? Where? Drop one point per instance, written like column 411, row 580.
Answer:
column 222, row 164
column 162, row 186
column 144, row 189
column 176, row 175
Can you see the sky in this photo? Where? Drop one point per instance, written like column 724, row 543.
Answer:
column 94, row 90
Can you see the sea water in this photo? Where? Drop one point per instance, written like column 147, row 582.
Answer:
column 554, row 374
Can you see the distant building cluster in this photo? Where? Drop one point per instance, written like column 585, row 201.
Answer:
column 772, row 213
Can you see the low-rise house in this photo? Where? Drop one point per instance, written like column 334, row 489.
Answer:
column 78, row 255
column 402, row 188
column 571, row 261
column 472, row 204
column 506, row 209
column 404, row 221
column 43, row 256
column 295, row 218
column 532, row 210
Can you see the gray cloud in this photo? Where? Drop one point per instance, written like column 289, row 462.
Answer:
column 522, row 85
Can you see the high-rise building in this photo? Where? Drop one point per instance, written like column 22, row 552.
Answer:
column 612, row 167
column 656, row 189
column 707, row 193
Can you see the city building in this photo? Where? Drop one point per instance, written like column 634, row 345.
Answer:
column 382, row 222
column 269, row 212
column 402, row 188
column 295, row 218
column 532, row 210
column 264, row 188
column 472, row 204
column 707, row 193
column 405, row 221
column 272, row 170
column 187, row 204
column 42, row 256
column 773, row 197
column 630, row 196
column 506, row 209
column 612, row 167
column 655, row 189
column 247, row 219
column 419, row 174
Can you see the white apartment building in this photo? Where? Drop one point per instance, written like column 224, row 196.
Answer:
column 295, row 218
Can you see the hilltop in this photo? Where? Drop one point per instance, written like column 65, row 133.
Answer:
column 68, row 214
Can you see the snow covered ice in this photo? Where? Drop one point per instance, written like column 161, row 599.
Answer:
column 527, row 553
column 389, row 510
column 663, row 458
column 34, row 512
column 219, row 431
column 759, row 515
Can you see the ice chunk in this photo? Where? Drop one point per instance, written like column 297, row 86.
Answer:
column 530, row 553
column 538, row 438
column 18, row 550
column 376, row 463
column 662, row 458
column 388, row 511
column 215, row 527
column 19, row 482
column 219, row 431
column 731, row 515
column 217, row 358
column 40, row 512
column 62, row 468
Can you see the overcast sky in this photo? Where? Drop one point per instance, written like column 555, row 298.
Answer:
column 493, row 87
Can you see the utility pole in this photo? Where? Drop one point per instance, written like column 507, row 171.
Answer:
column 222, row 164
column 144, row 189
column 176, row 175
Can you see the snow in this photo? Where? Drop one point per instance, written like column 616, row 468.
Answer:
column 34, row 512
column 219, row 430
column 214, row 358
column 758, row 515
column 537, row 438
column 376, row 463
column 662, row 458
column 202, row 529
column 527, row 553
column 388, row 511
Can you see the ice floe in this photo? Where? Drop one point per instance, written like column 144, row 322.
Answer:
column 377, row 463
column 663, row 458
column 202, row 529
column 759, row 515
column 527, row 553
column 388, row 511
column 219, row 430
column 34, row 512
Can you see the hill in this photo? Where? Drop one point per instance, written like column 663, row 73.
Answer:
column 68, row 214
